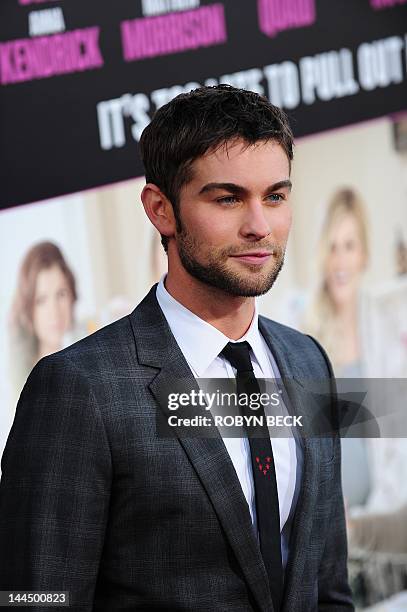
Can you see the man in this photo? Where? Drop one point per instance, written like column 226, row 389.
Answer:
column 93, row 499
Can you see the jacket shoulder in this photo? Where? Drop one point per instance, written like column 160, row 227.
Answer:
column 298, row 341
column 284, row 331
column 275, row 327
column 109, row 348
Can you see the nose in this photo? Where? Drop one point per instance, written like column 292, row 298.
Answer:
column 54, row 309
column 338, row 255
column 255, row 224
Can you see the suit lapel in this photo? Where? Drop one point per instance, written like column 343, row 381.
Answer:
column 302, row 523
column 156, row 347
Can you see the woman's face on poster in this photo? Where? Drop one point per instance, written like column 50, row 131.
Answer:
column 53, row 302
column 346, row 260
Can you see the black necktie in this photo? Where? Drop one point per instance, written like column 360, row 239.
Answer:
column 264, row 473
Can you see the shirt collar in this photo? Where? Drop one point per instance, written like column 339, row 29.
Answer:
column 199, row 341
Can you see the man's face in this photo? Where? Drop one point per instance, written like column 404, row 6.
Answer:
column 235, row 216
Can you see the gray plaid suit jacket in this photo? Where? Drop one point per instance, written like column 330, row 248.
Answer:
column 93, row 502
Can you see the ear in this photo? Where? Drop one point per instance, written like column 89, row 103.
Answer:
column 158, row 209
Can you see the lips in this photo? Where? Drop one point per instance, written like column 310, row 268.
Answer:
column 341, row 277
column 257, row 257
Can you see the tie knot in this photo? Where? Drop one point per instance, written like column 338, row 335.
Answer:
column 237, row 353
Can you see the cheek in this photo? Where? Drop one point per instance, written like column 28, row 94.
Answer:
column 358, row 261
column 63, row 309
column 39, row 320
column 39, row 313
column 211, row 229
column 331, row 264
column 67, row 310
column 328, row 269
column 280, row 221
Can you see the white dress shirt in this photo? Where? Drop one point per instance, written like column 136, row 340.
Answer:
column 201, row 343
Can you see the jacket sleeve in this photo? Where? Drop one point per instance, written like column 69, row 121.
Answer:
column 55, row 486
column 334, row 593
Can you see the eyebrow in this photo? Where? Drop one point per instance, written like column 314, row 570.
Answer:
column 239, row 189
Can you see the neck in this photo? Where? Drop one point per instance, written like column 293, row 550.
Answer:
column 47, row 349
column 347, row 312
column 230, row 314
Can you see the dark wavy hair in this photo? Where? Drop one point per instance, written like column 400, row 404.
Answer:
column 204, row 120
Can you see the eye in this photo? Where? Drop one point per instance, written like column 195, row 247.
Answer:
column 227, row 199
column 276, row 197
column 62, row 293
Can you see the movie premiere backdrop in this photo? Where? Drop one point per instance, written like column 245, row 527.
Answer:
column 79, row 81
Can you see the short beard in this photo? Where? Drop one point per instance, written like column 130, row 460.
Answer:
column 215, row 272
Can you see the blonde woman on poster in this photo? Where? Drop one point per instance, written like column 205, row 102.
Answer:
column 335, row 312
column 335, row 320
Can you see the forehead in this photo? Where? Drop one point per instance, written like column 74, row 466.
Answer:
column 345, row 225
column 49, row 277
column 243, row 164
